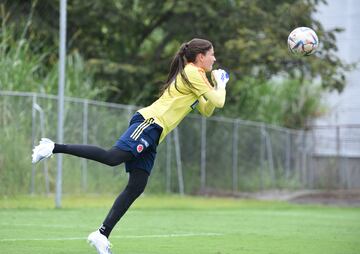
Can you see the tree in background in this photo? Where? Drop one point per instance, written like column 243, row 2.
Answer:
column 128, row 46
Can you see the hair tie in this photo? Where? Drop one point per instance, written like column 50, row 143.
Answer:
column 183, row 51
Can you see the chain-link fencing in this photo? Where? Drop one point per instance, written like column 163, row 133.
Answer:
column 202, row 155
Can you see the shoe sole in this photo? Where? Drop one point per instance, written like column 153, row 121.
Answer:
column 42, row 158
column 92, row 244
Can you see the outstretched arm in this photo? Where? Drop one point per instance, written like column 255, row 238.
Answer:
column 205, row 107
column 215, row 98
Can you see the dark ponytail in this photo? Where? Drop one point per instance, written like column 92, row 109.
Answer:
column 186, row 54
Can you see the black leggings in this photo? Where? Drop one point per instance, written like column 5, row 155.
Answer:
column 136, row 185
column 137, row 180
column 112, row 157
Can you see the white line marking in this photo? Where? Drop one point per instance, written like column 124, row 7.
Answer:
column 112, row 237
column 43, row 226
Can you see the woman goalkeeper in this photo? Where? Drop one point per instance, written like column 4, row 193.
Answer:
column 185, row 89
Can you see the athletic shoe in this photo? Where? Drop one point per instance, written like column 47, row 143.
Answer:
column 43, row 150
column 100, row 242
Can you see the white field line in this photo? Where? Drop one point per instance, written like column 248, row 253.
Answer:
column 112, row 237
column 43, row 226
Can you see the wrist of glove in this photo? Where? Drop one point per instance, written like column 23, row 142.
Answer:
column 219, row 78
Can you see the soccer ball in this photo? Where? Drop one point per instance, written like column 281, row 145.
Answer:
column 303, row 41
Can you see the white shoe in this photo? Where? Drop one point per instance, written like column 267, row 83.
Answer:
column 100, row 242
column 43, row 150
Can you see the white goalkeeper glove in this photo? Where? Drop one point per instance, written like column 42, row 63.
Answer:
column 219, row 78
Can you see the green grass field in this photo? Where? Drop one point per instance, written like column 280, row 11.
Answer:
column 172, row 224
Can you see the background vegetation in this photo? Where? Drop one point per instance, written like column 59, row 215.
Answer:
column 120, row 50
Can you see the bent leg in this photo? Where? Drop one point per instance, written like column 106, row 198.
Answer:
column 136, row 185
column 111, row 157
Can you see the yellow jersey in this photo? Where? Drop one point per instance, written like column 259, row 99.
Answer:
column 173, row 106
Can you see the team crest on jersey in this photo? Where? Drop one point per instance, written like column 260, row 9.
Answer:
column 140, row 148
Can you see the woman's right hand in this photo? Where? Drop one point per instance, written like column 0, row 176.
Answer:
column 220, row 77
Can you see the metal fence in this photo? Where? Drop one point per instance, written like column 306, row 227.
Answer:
column 202, row 155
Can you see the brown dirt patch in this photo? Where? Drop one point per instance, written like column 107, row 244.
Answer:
column 324, row 197
column 333, row 197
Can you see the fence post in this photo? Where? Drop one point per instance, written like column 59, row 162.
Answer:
column 168, row 163
column 235, row 156
column 269, row 154
column 60, row 131
column 203, row 155
column 85, row 142
column 178, row 162
column 339, row 168
column 43, row 134
column 262, row 156
column 33, row 134
column 347, row 173
column 312, row 168
column 303, row 167
column 288, row 154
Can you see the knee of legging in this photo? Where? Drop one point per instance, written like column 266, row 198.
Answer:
column 136, row 189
